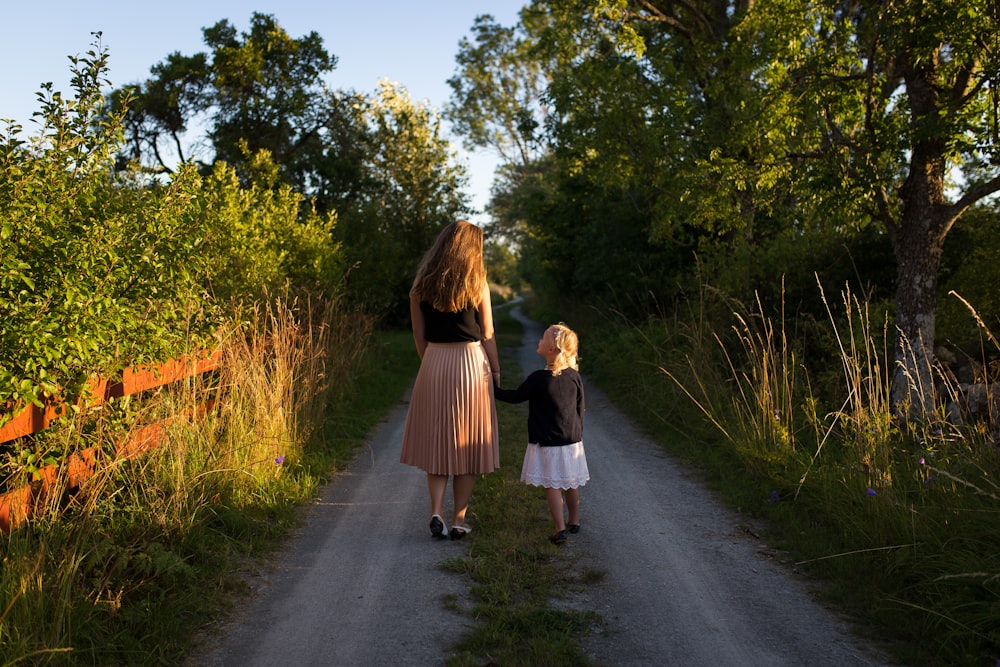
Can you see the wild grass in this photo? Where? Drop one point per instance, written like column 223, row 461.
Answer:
column 900, row 517
column 126, row 568
column 515, row 573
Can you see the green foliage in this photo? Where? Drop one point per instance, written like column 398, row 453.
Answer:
column 104, row 268
column 261, row 234
column 501, row 264
column 148, row 552
column 379, row 166
column 745, row 133
column 498, row 100
column 412, row 189
column 900, row 523
column 99, row 270
column 970, row 271
column 257, row 91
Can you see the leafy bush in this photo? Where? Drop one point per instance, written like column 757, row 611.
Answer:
column 104, row 267
column 98, row 269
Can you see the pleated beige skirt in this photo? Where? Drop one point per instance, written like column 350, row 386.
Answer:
column 451, row 424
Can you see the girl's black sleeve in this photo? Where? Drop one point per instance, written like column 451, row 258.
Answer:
column 519, row 395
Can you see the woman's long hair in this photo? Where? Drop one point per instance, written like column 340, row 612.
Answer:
column 452, row 275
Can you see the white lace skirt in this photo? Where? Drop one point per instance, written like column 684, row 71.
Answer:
column 563, row 467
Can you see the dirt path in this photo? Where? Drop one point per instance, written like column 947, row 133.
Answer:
column 685, row 584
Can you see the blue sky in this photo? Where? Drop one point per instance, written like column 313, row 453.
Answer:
column 408, row 41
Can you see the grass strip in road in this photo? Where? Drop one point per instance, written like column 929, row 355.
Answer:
column 516, row 573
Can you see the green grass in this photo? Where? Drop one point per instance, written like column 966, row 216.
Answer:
column 128, row 569
column 899, row 522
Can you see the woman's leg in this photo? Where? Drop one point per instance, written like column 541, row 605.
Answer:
column 437, row 485
column 573, row 506
column 554, row 496
column 463, row 485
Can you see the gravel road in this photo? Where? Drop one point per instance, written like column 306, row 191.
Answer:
column 685, row 583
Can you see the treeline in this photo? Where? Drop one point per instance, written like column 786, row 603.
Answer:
column 654, row 146
column 377, row 163
column 120, row 248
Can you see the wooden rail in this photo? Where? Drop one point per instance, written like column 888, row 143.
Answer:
column 18, row 504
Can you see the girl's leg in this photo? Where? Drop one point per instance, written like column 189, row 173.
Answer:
column 554, row 496
column 573, row 506
column 437, row 485
column 463, row 485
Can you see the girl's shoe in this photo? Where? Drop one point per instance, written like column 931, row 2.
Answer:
column 437, row 526
column 574, row 528
column 458, row 532
column 558, row 538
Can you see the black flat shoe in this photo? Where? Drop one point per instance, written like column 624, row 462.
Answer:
column 458, row 532
column 437, row 526
column 574, row 528
column 558, row 538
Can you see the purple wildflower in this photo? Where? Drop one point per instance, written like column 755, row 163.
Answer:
column 774, row 496
column 278, row 460
column 871, row 491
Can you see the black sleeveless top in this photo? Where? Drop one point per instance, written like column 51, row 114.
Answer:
column 460, row 327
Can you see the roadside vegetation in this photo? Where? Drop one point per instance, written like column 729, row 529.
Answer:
column 898, row 520
column 774, row 224
column 128, row 568
column 106, row 266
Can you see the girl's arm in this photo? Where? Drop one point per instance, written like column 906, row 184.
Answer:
column 519, row 395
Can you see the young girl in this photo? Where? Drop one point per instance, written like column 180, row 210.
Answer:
column 554, row 458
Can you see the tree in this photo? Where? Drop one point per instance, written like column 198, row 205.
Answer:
column 260, row 88
column 498, row 99
column 780, row 115
column 498, row 103
column 412, row 187
column 908, row 95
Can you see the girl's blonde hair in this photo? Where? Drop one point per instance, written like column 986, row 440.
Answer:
column 452, row 275
column 568, row 345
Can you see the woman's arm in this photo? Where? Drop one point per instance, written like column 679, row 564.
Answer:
column 417, row 322
column 489, row 334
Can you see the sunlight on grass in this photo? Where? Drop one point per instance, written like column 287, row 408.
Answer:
column 167, row 529
column 899, row 517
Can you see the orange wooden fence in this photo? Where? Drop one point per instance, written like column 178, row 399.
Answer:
column 18, row 504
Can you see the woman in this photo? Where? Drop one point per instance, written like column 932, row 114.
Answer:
column 451, row 425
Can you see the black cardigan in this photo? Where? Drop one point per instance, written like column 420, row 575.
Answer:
column 555, row 406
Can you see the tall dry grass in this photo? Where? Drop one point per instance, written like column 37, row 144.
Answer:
column 141, row 548
column 898, row 508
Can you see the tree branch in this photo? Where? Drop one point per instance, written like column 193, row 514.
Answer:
column 977, row 193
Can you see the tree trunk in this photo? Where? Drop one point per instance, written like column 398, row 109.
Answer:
column 918, row 241
column 917, row 247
